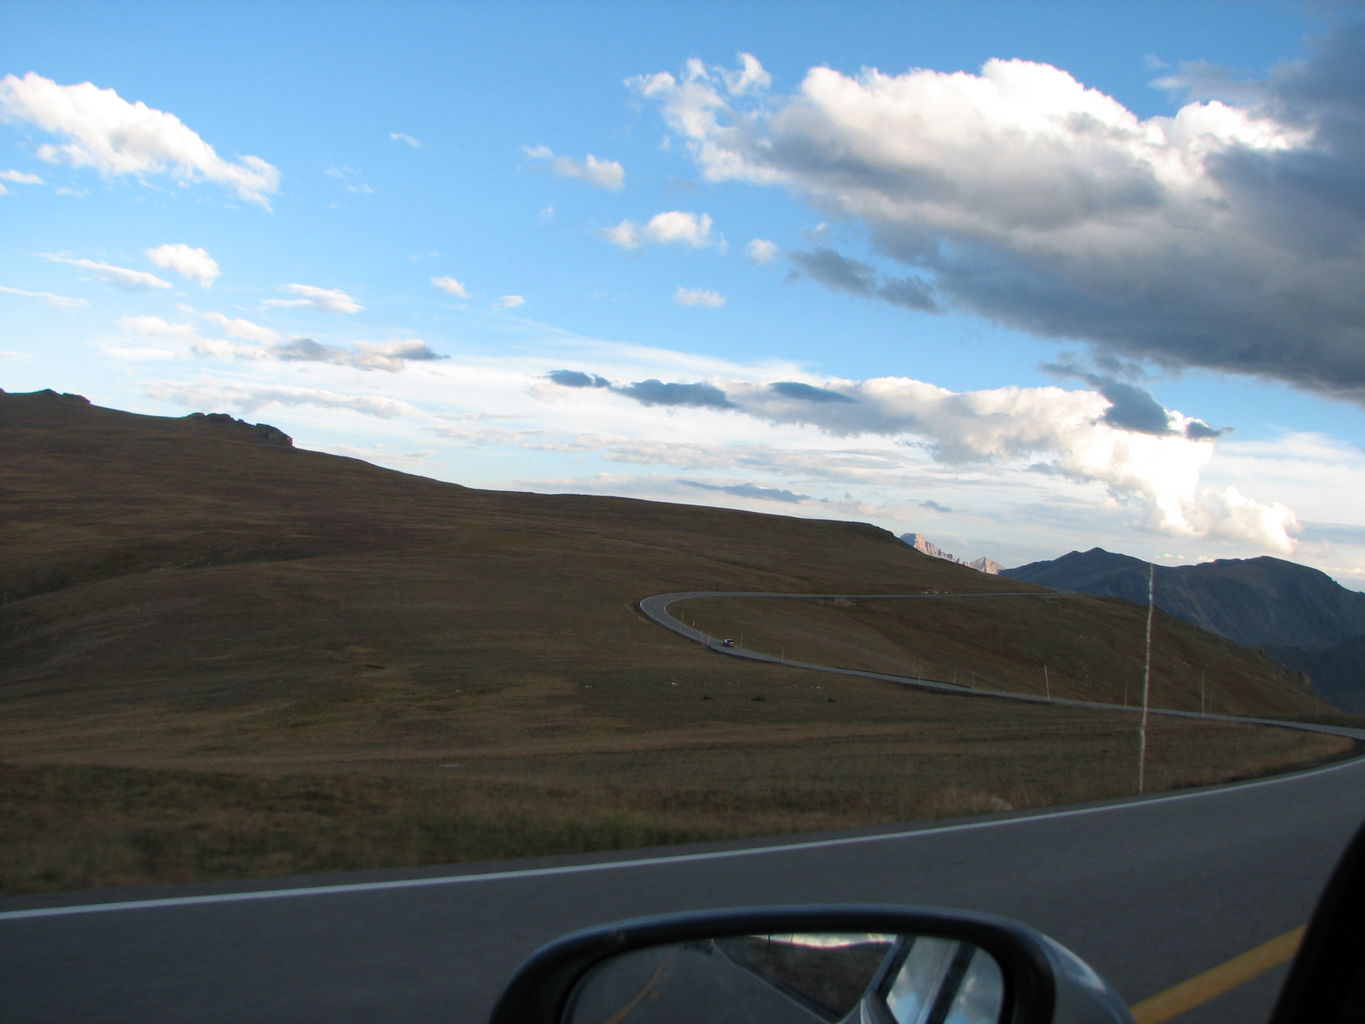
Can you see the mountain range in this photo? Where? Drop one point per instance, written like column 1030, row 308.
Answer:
column 1296, row 614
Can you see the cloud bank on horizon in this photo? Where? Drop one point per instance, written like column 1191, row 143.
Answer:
column 1070, row 432
column 1224, row 238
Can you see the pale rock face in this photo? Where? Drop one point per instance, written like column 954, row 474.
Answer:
column 927, row 547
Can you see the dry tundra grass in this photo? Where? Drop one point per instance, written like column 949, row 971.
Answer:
column 221, row 657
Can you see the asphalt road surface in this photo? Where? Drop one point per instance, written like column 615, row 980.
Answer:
column 1150, row 892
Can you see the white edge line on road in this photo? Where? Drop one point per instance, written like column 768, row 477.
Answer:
column 646, row 862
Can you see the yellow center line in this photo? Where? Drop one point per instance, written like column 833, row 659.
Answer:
column 1214, row 982
column 650, row 989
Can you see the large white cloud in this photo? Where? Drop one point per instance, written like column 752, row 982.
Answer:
column 102, row 130
column 1226, row 235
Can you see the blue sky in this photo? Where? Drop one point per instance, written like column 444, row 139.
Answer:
column 1022, row 278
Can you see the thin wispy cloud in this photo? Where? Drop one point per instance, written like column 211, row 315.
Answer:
column 106, row 273
column 246, row 330
column 326, row 300
column 56, row 301
column 390, row 356
column 698, row 297
column 254, row 400
column 17, row 178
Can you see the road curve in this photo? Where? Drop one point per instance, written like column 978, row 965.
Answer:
column 656, row 608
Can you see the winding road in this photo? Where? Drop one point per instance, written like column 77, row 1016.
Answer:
column 656, row 608
column 1150, row 891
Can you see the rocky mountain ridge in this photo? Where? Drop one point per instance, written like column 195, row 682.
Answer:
column 925, row 546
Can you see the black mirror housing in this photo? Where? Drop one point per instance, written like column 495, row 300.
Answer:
column 1044, row 983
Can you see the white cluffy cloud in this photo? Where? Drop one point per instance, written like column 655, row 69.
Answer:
column 698, row 297
column 509, row 302
column 59, row 301
column 602, row 173
column 1219, row 236
column 194, row 264
column 1050, row 430
column 328, row 300
column 119, row 277
column 761, row 251
column 449, row 284
column 670, row 227
column 102, row 130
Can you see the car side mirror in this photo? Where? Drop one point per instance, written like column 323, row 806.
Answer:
column 808, row 965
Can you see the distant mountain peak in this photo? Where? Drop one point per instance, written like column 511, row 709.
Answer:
column 1299, row 614
column 925, row 546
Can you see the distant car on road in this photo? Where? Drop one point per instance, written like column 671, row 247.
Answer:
column 727, row 642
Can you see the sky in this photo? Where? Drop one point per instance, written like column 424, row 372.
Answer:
column 1022, row 278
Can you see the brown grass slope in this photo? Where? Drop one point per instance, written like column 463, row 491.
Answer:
column 223, row 656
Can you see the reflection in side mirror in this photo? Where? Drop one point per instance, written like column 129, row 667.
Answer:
column 823, row 978
column 809, row 965
column 944, row 980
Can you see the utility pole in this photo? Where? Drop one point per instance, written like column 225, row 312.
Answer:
column 1146, row 678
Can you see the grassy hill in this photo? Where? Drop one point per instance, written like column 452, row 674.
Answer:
column 223, row 656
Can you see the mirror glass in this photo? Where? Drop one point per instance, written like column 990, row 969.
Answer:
column 795, row 979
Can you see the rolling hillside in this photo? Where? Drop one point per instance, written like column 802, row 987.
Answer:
column 222, row 655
